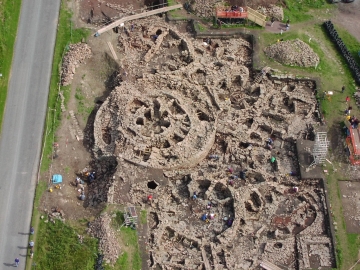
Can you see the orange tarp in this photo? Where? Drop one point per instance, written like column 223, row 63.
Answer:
column 231, row 14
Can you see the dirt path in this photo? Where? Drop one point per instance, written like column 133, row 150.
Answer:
column 347, row 16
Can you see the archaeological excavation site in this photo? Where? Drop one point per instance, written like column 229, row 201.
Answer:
column 208, row 146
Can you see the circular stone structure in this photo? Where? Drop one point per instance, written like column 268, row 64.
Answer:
column 167, row 118
column 159, row 128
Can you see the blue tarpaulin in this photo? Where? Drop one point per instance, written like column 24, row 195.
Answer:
column 57, row 178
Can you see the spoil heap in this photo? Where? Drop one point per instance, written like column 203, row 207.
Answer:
column 76, row 55
column 108, row 243
column 272, row 11
column 293, row 53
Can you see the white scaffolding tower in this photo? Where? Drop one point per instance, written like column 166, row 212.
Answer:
column 320, row 148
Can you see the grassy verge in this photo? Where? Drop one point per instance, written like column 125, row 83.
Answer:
column 65, row 36
column 58, row 247
column 347, row 245
column 130, row 258
column 298, row 11
column 143, row 216
column 83, row 108
column 9, row 17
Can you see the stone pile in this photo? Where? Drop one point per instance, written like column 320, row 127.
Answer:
column 55, row 213
column 76, row 55
column 357, row 97
column 108, row 243
column 293, row 53
column 204, row 8
column 272, row 11
column 128, row 10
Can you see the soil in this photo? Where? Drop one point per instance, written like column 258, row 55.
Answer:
column 91, row 85
column 350, row 191
column 94, row 11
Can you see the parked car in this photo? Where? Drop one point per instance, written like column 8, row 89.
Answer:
column 348, row 1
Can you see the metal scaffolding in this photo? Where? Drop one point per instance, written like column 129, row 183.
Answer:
column 320, row 148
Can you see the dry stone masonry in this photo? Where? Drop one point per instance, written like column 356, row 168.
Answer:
column 293, row 53
column 76, row 55
column 108, row 245
column 190, row 117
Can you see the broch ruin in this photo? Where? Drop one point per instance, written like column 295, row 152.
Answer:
column 221, row 137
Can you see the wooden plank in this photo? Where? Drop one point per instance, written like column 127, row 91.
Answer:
column 112, row 50
column 205, row 259
column 256, row 17
column 269, row 266
column 136, row 16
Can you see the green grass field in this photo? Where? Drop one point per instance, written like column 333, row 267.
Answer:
column 298, row 11
column 57, row 247
column 9, row 17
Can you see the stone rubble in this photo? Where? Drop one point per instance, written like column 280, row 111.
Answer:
column 192, row 117
column 272, row 11
column 76, row 55
column 108, row 244
column 293, row 53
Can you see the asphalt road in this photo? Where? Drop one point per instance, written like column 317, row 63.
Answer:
column 23, row 125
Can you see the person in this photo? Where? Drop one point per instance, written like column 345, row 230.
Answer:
column 229, row 222
column 17, row 261
column 348, row 110
column 356, row 123
column 231, row 182
column 281, row 31
column 208, row 205
column 343, row 89
column 132, row 27
column 230, row 170
column 214, row 157
column 79, row 181
column 295, row 189
column 82, row 196
column 32, row 230
column 31, row 253
column 212, row 216
column 31, row 244
column 149, row 198
column 272, row 159
column 194, row 195
column 270, row 141
column 272, row 21
column 347, row 99
column 287, row 26
column 241, row 9
column 204, row 217
column 243, row 174
column 288, row 21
